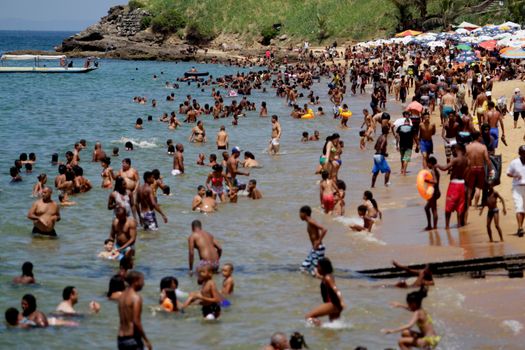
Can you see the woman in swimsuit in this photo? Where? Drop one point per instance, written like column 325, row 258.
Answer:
column 249, row 160
column 39, row 186
column 333, row 303
column 216, row 178
column 426, row 337
column 198, row 134
column 107, row 173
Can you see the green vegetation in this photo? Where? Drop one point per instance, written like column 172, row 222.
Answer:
column 202, row 20
column 135, row 4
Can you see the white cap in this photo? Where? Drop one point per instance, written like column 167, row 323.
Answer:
column 517, row 90
column 488, row 93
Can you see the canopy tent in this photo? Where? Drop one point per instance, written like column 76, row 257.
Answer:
column 468, row 26
column 514, row 53
column 510, row 25
column 408, row 32
column 31, row 57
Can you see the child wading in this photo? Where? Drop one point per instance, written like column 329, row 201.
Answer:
column 316, row 233
column 333, row 303
column 426, row 337
column 493, row 212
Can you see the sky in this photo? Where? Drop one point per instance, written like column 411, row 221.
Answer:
column 67, row 15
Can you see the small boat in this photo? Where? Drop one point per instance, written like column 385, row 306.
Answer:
column 38, row 68
column 196, row 74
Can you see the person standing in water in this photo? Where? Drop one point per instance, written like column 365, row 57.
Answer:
column 274, row 146
column 333, row 303
column 131, row 334
column 380, row 163
column 316, row 233
column 209, row 249
column 130, row 175
column 147, row 204
column 222, row 139
column 44, row 213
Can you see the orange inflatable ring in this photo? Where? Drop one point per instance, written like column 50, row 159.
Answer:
column 426, row 190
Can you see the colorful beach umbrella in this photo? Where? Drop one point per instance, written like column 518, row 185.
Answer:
column 488, row 45
column 514, row 53
column 464, row 47
column 466, row 57
column 408, row 32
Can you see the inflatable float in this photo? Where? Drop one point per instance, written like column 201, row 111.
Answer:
column 425, row 189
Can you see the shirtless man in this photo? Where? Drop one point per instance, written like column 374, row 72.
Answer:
column 76, row 152
column 426, row 131
column 336, row 99
column 232, row 166
column 196, row 204
column 123, row 233
column 178, row 160
column 222, row 138
column 209, row 249
column 316, row 233
column 208, row 204
column 456, row 189
column 448, row 104
column 98, row 153
column 477, row 106
column 478, row 157
column 493, row 118
column 147, row 204
column 44, row 213
column 276, row 136
column 449, row 133
column 131, row 334
column 130, row 175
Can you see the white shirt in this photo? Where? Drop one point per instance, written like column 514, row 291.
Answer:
column 517, row 168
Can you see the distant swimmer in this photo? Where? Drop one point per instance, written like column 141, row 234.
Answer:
column 44, row 213
column 131, row 334
column 274, row 146
column 208, row 297
column 253, row 191
column 333, row 303
column 98, row 153
column 147, row 204
column 31, row 315
column 278, row 341
column 27, row 276
column 209, row 249
column 316, row 234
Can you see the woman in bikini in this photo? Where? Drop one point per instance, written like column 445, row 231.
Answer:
column 107, row 173
column 333, row 303
column 426, row 338
column 214, row 182
column 198, row 134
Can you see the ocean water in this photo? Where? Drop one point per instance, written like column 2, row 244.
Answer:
column 265, row 240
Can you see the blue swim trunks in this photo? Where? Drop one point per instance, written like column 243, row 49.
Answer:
column 494, row 132
column 447, row 110
column 426, row 146
column 380, row 164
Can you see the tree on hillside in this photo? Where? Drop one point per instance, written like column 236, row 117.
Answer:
column 403, row 14
column 517, row 10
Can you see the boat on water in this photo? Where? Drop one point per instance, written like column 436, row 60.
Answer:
column 40, row 67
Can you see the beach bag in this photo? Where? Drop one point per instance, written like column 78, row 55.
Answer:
column 496, row 163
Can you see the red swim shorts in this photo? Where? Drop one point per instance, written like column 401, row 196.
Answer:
column 455, row 197
column 328, row 202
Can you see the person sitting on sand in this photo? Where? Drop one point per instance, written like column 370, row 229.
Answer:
column 27, row 276
column 423, row 277
column 426, row 337
column 333, row 303
column 368, row 222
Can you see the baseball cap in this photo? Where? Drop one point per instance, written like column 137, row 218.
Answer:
column 488, row 93
column 236, row 149
column 517, row 90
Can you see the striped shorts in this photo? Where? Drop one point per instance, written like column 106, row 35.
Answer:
column 310, row 263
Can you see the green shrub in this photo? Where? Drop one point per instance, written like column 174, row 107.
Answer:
column 145, row 22
column 268, row 33
column 135, row 4
column 168, row 21
column 198, row 33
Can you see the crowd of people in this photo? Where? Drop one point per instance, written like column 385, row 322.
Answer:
column 429, row 79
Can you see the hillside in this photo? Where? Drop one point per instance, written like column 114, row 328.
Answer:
column 170, row 29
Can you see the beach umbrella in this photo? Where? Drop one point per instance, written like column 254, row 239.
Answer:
column 415, row 107
column 408, row 32
column 510, row 25
column 466, row 57
column 468, row 26
column 514, row 53
column 488, row 45
column 464, row 47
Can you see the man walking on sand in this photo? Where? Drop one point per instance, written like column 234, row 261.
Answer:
column 516, row 171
